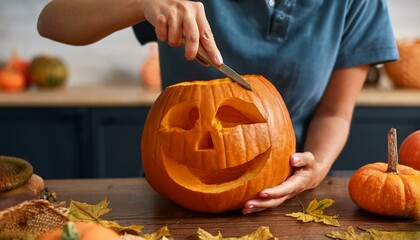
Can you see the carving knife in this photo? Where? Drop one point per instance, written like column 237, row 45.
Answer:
column 229, row 72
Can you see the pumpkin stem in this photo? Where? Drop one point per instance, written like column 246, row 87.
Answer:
column 392, row 152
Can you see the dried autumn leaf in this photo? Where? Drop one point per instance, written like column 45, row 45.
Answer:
column 87, row 212
column 133, row 229
column 79, row 211
column 371, row 234
column 161, row 234
column 315, row 212
column 262, row 233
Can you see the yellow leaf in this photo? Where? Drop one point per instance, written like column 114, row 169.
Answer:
column 316, row 207
column 86, row 212
column 262, row 233
column 372, row 234
column 315, row 213
column 133, row 229
column 79, row 211
column 161, row 234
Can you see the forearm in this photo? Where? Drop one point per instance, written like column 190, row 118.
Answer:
column 327, row 136
column 330, row 126
column 81, row 22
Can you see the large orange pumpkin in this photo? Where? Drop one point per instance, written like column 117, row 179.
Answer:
column 212, row 145
column 387, row 189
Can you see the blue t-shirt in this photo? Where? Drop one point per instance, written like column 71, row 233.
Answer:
column 296, row 44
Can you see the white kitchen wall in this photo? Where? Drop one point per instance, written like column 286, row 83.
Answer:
column 117, row 58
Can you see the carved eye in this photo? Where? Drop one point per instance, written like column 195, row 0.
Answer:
column 233, row 112
column 182, row 116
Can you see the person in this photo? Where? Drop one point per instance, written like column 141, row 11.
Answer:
column 316, row 52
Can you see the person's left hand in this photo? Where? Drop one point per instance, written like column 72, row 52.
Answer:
column 306, row 175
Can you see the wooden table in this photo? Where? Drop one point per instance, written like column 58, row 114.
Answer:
column 134, row 202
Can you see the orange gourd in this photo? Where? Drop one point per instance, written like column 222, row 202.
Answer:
column 410, row 150
column 150, row 69
column 212, row 145
column 387, row 189
column 11, row 80
column 19, row 64
column 87, row 230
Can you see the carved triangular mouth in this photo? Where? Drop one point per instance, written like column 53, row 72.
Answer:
column 215, row 180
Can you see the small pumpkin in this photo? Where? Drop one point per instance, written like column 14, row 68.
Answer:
column 410, row 150
column 11, row 80
column 47, row 71
column 81, row 231
column 19, row 64
column 387, row 189
column 150, row 69
column 212, row 145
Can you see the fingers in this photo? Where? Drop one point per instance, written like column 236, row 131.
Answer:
column 207, row 38
column 301, row 180
column 191, row 34
column 177, row 20
column 260, row 204
column 305, row 159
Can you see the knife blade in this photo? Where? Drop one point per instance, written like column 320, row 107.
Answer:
column 223, row 68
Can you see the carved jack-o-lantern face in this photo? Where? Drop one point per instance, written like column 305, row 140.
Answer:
column 212, row 145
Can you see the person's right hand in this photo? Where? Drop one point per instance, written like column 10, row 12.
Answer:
column 177, row 20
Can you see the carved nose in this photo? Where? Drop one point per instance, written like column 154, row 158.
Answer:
column 205, row 142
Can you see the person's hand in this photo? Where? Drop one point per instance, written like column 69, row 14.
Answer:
column 177, row 20
column 306, row 175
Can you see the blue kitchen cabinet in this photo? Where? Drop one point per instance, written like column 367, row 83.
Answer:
column 75, row 142
column 53, row 140
column 116, row 139
column 367, row 141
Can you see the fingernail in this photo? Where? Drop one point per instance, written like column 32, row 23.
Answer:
column 246, row 211
column 263, row 195
column 219, row 58
column 295, row 159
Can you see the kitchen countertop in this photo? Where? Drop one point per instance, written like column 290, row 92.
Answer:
column 135, row 95
column 134, row 202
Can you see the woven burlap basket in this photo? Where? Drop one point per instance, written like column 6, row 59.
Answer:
column 406, row 72
column 29, row 219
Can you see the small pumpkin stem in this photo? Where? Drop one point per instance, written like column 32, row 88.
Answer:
column 392, row 152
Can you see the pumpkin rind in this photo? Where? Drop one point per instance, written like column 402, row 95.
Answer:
column 387, row 189
column 47, row 71
column 212, row 145
column 410, row 150
column 88, row 231
column 376, row 191
column 11, row 80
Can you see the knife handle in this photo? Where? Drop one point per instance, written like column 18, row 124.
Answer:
column 202, row 55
